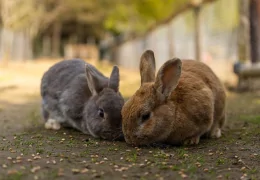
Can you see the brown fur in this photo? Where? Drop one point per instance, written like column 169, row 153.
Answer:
column 195, row 106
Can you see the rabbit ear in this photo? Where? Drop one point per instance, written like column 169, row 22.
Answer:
column 168, row 77
column 95, row 82
column 147, row 67
column 114, row 79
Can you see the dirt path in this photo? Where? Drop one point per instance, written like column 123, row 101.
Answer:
column 28, row 151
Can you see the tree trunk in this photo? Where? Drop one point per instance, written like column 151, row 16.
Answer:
column 255, row 30
column 197, row 19
column 244, row 53
column 56, row 39
column 46, row 46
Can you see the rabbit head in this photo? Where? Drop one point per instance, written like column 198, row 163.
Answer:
column 145, row 117
column 102, row 112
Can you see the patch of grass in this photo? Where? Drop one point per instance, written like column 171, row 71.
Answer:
column 221, row 161
column 14, row 176
column 251, row 118
column 132, row 157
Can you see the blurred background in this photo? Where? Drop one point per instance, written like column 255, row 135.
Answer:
column 223, row 34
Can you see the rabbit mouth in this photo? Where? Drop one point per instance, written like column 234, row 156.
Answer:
column 108, row 135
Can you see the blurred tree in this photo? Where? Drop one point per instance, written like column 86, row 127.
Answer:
column 255, row 30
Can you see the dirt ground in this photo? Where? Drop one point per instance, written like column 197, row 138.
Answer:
column 28, row 151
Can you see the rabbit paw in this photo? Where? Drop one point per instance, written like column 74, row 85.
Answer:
column 52, row 124
column 216, row 133
column 192, row 141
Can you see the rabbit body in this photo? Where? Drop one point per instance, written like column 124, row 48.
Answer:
column 183, row 103
column 75, row 94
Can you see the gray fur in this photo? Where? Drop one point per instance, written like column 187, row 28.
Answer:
column 73, row 91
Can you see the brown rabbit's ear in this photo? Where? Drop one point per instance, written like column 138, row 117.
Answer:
column 114, row 79
column 95, row 83
column 168, row 77
column 147, row 67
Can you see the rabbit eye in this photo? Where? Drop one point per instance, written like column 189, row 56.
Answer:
column 101, row 112
column 145, row 117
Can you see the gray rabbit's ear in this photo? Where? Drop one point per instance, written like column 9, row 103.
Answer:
column 95, row 82
column 114, row 79
column 147, row 67
column 168, row 77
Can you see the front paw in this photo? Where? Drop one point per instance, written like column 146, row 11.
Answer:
column 192, row 141
column 52, row 124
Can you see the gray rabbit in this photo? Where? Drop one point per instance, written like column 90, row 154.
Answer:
column 75, row 94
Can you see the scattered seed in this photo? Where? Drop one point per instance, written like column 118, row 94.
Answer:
column 12, row 171
column 61, row 172
column 184, row 176
column 22, row 167
column 210, row 154
column 34, row 169
column 37, row 157
column 61, row 160
column 75, row 171
column 4, row 166
column 9, row 158
column 53, row 161
column 18, row 158
column 185, row 155
column 206, row 170
column 29, row 160
column 219, row 177
column 85, row 170
column 243, row 168
column 105, row 159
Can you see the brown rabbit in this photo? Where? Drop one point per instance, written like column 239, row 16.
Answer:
column 185, row 101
